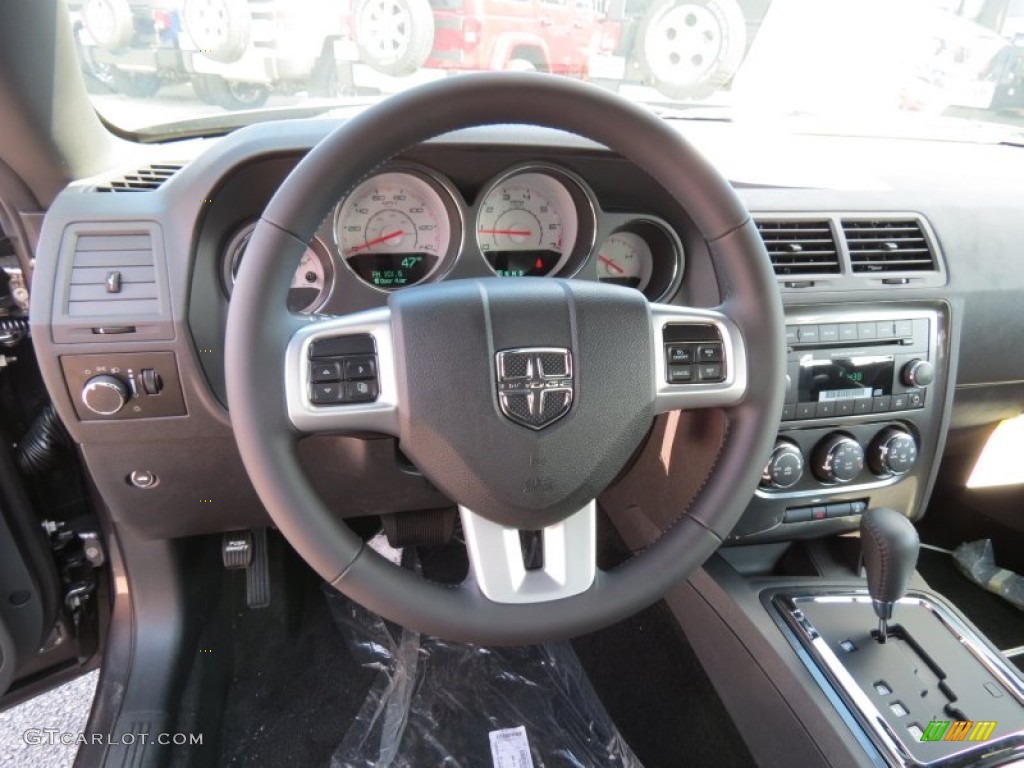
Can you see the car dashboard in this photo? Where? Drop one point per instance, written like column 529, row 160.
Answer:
column 895, row 259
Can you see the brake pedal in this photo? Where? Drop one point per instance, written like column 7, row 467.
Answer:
column 248, row 550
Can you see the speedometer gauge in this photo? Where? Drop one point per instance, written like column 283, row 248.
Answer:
column 395, row 229
column 527, row 225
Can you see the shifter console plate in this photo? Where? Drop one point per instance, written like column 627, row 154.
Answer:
column 933, row 669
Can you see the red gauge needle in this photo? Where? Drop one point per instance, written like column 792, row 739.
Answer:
column 609, row 263
column 381, row 239
column 520, row 232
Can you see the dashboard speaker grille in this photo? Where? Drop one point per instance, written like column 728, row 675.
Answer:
column 888, row 245
column 800, row 247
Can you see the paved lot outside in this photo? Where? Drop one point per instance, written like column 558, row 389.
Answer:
column 65, row 709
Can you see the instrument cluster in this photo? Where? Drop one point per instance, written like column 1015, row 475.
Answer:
column 409, row 224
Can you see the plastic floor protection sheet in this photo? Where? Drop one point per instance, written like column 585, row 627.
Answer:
column 457, row 705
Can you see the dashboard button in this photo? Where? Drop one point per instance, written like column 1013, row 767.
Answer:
column 837, row 510
column 791, row 334
column 680, row 374
column 863, row 405
column 797, row 515
column 881, row 404
column 709, row 353
column 886, row 329
column 680, row 353
column 325, row 393
column 867, row 331
column 844, row 408
column 709, row 372
column 789, row 412
column 805, row 410
column 828, row 332
column 848, row 332
column 904, row 328
column 858, row 507
column 818, row 512
column 899, row 402
column 915, row 398
column 809, row 334
column 826, row 409
column 329, row 371
column 360, row 368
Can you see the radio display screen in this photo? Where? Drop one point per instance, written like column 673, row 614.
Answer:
column 845, row 378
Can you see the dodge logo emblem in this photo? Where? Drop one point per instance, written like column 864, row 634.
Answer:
column 534, row 385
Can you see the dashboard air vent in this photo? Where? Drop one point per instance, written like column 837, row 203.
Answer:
column 113, row 274
column 800, row 247
column 888, row 245
column 144, row 179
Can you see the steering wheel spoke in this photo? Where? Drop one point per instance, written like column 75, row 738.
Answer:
column 700, row 359
column 340, row 375
column 566, row 565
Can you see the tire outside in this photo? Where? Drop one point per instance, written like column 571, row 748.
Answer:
column 219, row 28
column 137, row 85
column 394, row 37
column 109, row 23
column 690, row 48
column 233, row 95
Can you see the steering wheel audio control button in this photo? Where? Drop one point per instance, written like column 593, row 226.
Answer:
column 360, row 368
column 360, row 391
column 326, row 371
column 326, row 393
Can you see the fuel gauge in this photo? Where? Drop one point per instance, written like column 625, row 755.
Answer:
column 625, row 258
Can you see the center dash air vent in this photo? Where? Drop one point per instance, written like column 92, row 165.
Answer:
column 799, row 248
column 888, row 245
column 144, row 179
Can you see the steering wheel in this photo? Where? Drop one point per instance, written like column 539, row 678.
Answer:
column 521, row 399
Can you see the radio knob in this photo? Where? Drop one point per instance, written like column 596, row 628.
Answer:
column 105, row 395
column 785, row 467
column 918, row 373
column 837, row 459
column 892, row 452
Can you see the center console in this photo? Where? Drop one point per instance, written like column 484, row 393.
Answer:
column 861, row 423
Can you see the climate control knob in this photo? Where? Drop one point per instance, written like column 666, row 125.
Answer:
column 785, row 467
column 918, row 373
column 892, row 452
column 837, row 459
column 105, row 395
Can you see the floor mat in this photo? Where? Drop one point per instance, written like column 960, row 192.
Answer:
column 654, row 688
column 998, row 620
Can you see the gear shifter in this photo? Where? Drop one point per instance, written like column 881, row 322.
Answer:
column 889, row 547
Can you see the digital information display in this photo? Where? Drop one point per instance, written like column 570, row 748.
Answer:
column 845, row 378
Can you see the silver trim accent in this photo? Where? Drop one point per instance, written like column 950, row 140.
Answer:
column 674, row 397
column 378, row 416
column 496, row 558
column 788, row 606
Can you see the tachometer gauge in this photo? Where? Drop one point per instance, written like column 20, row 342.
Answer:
column 527, row 225
column 311, row 282
column 625, row 259
column 395, row 229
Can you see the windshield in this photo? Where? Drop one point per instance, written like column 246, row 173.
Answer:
column 161, row 67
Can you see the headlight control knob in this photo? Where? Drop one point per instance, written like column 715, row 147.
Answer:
column 105, row 394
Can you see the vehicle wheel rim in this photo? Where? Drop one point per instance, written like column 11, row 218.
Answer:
column 385, row 28
column 99, row 21
column 208, row 23
column 247, row 93
column 684, row 45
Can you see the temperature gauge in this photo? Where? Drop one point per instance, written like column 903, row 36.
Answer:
column 625, row 258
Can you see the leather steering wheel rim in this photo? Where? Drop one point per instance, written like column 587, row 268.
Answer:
column 258, row 334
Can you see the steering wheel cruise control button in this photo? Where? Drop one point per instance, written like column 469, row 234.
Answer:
column 360, row 391
column 328, row 392
column 328, row 371
column 360, row 368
